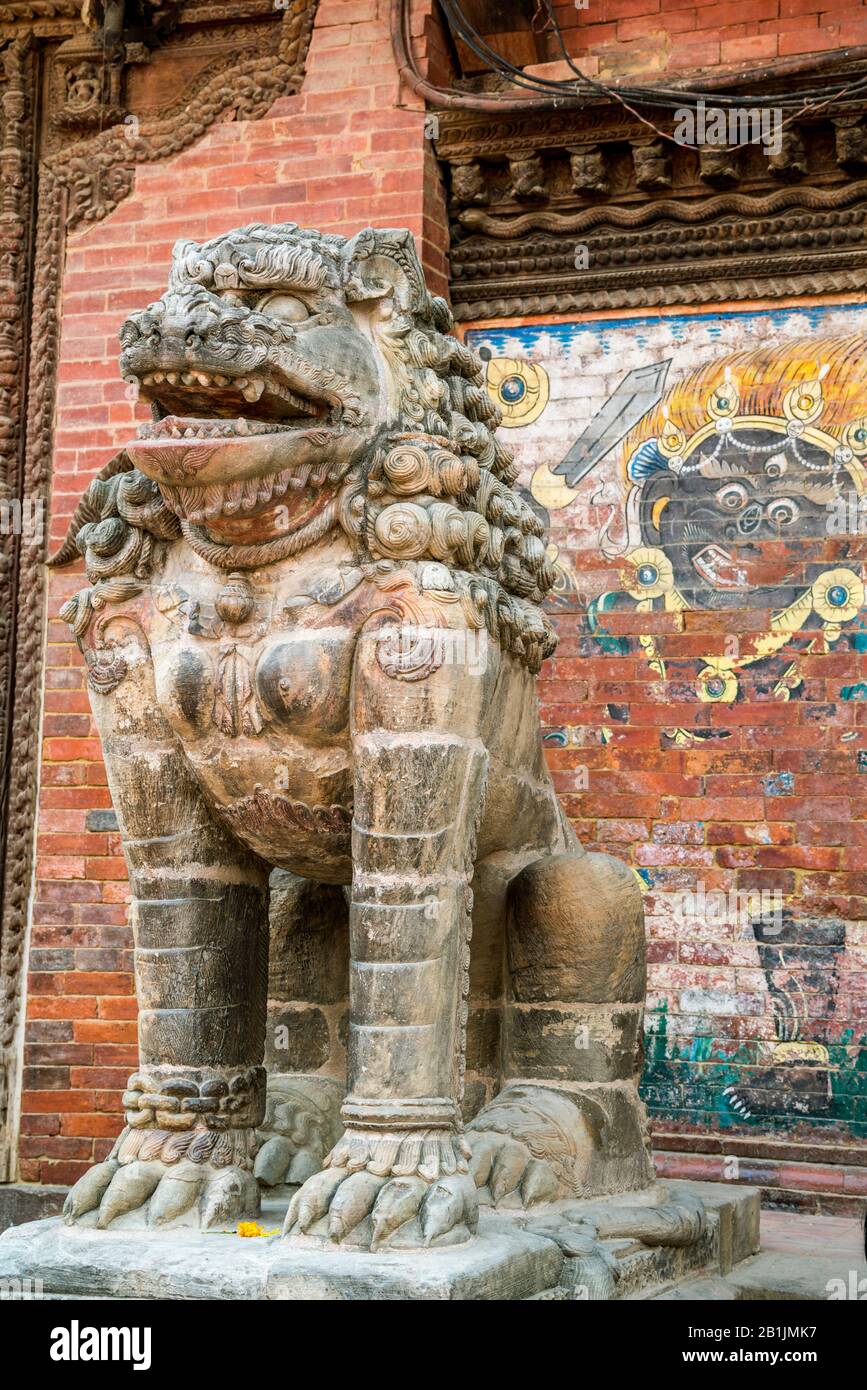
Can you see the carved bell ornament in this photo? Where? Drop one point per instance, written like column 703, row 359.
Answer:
column 234, row 602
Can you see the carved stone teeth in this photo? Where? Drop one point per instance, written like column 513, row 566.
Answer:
column 240, row 382
column 188, row 379
column 177, row 427
column 221, row 380
column 300, row 403
column 214, row 497
column 213, row 500
column 202, row 378
column 253, row 390
column 233, row 496
column 298, row 479
column 172, row 378
column 158, row 376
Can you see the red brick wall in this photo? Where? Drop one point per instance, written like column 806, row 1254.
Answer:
column 349, row 151
column 615, row 38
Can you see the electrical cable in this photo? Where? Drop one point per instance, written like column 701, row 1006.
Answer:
column 804, row 108
column 557, row 95
column 628, row 97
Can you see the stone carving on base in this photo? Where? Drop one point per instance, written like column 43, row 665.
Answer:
column 312, row 625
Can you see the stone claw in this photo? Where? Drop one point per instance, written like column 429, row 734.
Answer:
column 396, row 1203
column 161, row 1194
column 88, row 1192
column 371, row 1211
column 176, row 1192
column 311, row 1202
column 507, row 1174
column 273, row 1160
column 129, row 1189
column 302, row 1122
column 230, row 1194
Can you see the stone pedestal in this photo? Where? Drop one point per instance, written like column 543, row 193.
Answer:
column 572, row 1252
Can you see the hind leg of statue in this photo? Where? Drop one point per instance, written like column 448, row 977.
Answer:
column 305, row 1056
column 568, row 1121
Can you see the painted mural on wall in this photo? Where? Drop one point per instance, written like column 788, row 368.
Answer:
column 709, row 471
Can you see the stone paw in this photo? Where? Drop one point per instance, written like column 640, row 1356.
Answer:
column 506, row 1173
column 301, row 1125
column 531, row 1145
column 367, row 1211
column 155, row 1192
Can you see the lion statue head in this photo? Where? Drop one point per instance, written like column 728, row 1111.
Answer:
column 300, row 382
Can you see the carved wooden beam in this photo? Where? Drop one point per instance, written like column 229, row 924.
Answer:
column 657, row 222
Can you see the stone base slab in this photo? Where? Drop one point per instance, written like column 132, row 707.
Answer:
column 504, row 1262
column 27, row 1201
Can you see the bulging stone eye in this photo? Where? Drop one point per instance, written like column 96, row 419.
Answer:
column 285, row 307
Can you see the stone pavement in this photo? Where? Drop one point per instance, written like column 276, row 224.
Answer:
column 802, row 1257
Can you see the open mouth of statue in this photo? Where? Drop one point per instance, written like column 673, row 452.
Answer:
column 223, row 447
column 260, row 401
column 202, row 427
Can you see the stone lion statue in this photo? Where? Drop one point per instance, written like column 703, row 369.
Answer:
column 311, row 630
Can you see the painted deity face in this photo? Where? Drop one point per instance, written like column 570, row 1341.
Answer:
column 737, row 522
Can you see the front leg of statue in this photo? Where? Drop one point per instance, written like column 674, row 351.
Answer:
column 398, row 1177
column 200, row 917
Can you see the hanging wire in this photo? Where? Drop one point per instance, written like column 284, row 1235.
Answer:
column 630, row 97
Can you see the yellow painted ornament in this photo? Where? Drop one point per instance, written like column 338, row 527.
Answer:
column 520, row 389
column 838, row 595
column 648, row 573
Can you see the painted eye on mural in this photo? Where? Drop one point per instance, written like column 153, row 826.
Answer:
column 285, row 307
column 513, row 390
column 732, row 497
column 783, row 511
column 519, row 388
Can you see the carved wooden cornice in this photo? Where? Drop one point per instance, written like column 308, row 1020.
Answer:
column 656, row 223
column 97, row 172
column 81, row 176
